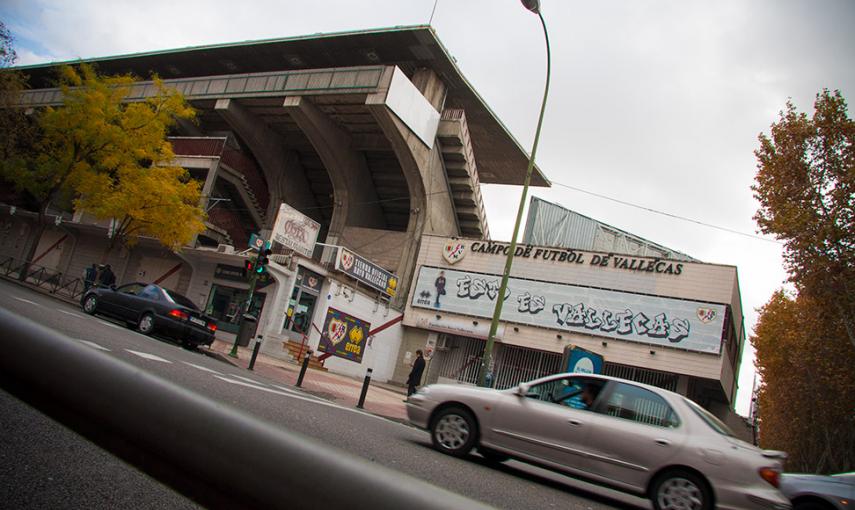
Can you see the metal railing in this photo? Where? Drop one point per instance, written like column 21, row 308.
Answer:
column 206, row 450
column 43, row 277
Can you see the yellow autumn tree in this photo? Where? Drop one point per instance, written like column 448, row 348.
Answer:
column 111, row 156
column 807, row 397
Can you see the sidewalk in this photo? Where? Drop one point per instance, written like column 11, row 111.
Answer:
column 382, row 399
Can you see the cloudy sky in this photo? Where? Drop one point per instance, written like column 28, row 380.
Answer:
column 656, row 103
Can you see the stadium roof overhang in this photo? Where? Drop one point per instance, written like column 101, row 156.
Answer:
column 499, row 157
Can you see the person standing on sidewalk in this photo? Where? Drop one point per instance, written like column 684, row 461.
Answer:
column 107, row 277
column 415, row 378
column 89, row 275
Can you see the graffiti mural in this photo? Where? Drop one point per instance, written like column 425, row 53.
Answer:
column 690, row 325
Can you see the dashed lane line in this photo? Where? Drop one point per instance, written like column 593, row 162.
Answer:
column 148, row 356
column 247, row 379
column 72, row 314
column 92, row 344
column 26, row 301
column 200, row 367
column 289, row 394
column 111, row 325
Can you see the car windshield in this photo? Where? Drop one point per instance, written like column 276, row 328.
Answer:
column 179, row 299
column 710, row 419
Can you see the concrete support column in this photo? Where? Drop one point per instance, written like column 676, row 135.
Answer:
column 347, row 168
column 432, row 210
column 431, row 86
column 286, row 179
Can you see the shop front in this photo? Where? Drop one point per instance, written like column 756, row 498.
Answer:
column 229, row 293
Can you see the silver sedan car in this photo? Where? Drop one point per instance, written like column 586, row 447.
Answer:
column 628, row 436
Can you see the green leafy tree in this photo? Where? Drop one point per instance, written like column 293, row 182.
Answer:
column 806, row 188
column 806, row 399
column 101, row 150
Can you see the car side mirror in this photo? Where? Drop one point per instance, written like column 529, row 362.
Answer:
column 522, row 390
column 112, row 287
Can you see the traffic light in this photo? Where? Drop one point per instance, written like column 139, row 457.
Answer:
column 248, row 267
column 262, row 260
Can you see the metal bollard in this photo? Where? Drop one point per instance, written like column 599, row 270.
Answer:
column 255, row 351
column 303, row 368
column 365, row 384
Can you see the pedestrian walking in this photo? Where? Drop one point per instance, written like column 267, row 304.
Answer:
column 89, row 276
column 107, row 277
column 415, row 378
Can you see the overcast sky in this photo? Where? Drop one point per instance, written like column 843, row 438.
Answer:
column 651, row 102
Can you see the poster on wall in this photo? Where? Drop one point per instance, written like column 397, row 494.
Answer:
column 690, row 325
column 344, row 335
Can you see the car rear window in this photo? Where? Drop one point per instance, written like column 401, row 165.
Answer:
column 710, row 419
column 179, row 299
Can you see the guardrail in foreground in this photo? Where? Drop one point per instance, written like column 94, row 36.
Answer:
column 209, row 452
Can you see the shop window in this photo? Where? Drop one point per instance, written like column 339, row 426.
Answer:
column 224, row 304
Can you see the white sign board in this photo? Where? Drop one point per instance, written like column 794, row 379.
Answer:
column 295, row 230
column 689, row 325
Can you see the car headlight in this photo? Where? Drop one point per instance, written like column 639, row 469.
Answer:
column 423, row 391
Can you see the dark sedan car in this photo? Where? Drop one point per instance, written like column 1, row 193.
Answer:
column 153, row 310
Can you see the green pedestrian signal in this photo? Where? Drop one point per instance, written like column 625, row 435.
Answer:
column 262, row 260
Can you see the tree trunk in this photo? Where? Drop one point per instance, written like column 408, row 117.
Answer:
column 32, row 246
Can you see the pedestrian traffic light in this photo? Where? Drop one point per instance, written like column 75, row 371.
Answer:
column 262, row 260
column 248, row 267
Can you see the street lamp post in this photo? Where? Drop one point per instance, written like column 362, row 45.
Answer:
column 486, row 360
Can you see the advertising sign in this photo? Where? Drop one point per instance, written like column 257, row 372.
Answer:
column 689, row 325
column 295, row 230
column 344, row 336
column 366, row 272
column 581, row 361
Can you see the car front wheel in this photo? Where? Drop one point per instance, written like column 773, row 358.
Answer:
column 453, row 431
column 90, row 305
column 146, row 324
column 681, row 490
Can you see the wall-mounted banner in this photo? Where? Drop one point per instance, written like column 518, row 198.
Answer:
column 295, row 230
column 344, row 336
column 689, row 325
column 366, row 272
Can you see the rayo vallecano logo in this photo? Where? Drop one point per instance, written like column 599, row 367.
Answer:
column 706, row 315
column 347, row 259
column 453, row 251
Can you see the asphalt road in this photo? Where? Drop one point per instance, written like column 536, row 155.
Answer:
column 44, row 465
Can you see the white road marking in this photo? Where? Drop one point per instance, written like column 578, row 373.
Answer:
column 111, row 325
column 300, row 397
column 200, row 367
column 72, row 314
column 146, row 355
column 247, row 379
column 26, row 301
column 92, row 344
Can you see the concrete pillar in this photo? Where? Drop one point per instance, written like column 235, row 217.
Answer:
column 432, row 209
column 285, row 177
column 347, row 168
column 431, row 86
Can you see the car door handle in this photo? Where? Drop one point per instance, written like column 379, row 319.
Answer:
column 574, row 422
column 663, row 442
